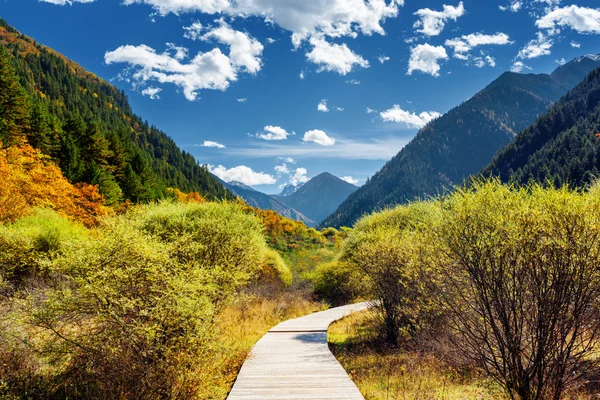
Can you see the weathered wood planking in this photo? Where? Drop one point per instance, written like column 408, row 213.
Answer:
column 293, row 361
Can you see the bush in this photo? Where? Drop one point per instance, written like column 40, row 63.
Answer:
column 390, row 248
column 132, row 310
column 274, row 271
column 337, row 283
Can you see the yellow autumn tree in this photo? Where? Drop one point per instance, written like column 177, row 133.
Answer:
column 30, row 180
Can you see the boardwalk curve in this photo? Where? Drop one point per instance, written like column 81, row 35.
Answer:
column 293, row 361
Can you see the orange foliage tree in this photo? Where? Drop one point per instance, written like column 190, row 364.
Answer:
column 28, row 179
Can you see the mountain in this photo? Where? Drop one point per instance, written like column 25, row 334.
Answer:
column 462, row 141
column 561, row 146
column 289, row 189
column 257, row 199
column 319, row 197
column 86, row 126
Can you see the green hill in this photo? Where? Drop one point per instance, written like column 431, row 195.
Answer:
column 561, row 146
column 88, row 128
column 462, row 141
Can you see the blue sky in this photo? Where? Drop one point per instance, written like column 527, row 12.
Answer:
column 253, row 78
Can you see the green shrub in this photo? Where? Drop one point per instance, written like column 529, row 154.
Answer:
column 337, row 283
column 274, row 271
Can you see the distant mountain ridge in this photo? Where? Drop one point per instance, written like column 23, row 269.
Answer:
column 320, row 196
column 462, row 141
column 309, row 202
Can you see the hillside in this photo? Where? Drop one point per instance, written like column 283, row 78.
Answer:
column 263, row 201
column 462, row 141
column 319, row 197
column 88, row 128
column 561, row 146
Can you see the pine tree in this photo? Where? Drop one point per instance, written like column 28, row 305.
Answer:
column 14, row 111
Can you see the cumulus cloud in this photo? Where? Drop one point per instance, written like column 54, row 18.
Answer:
column 194, row 31
column 289, row 160
column 514, row 6
column 383, row 58
column 562, row 61
column 333, row 18
column 425, row 58
column 210, row 143
column 241, row 100
column 211, row 70
column 319, row 137
column 243, row 174
column 339, row 109
column 537, row 47
column 580, row 19
column 519, row 66
column 334, row 57
column 323, row 106
column 432, row 22
column 302, row 75
column 410, row 119
column 282, row 169
column 575, row 44
column 274, row 133
column 152, row 92
column 353, row 82
column 350, row 180
column 464, row 44
column 65, row 2
column 271, row 40
column 370, row 110
column 298, row 177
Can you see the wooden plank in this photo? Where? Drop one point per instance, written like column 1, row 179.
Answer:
column 293, row 362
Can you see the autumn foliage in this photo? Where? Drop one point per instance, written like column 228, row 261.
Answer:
column 30, row 180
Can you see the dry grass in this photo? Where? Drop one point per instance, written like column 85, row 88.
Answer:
column 402, row 373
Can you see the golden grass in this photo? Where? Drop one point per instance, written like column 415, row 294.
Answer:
column 400, row 374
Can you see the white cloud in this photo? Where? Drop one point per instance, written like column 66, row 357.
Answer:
column 333, row 18
column 210, row 70
column 519, row 66
column 241, row 100
column 580, row 19
column 244, row 51
column 431, row 22
column 298, row 177
column 425, row 58
column 537, row 47
column 319, row 137
column 514, row 6
column 243, row 174
column 575, row 44
column 353, row 82
column 289, row 160
column 370, row 110
column 178, row 53
column 339, row 109
column 271, row 40
column 323, row 106
column 381, row 148
column 274, row 133
column 282, row 169
column 334, row 57
column 562, row 61
column 464, row 44
column 301, row 74
column 410, row 119
column 210, row 143
column 193, row 31
column 383, row 59
column 350, row 180
column 65, row 2
column 152, row 92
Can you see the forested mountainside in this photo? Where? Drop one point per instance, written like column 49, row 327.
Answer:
column 263, row 201
column 560, row 147
column 463, row 140
column 320, row 196
column 88, row 128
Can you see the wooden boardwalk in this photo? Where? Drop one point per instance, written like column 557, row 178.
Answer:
column 293, row 361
